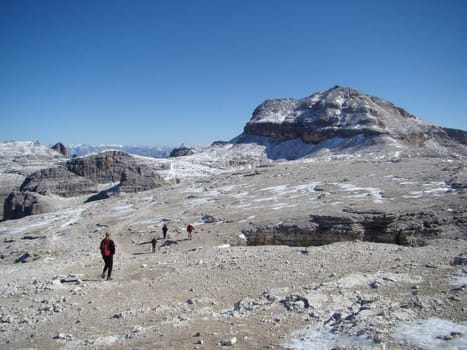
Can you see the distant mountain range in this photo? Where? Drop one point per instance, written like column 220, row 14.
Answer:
column 147, row 151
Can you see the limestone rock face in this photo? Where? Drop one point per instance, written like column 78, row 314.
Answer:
column 101, row 168
column 407, row 228
column 108, row 167
column 20, row 204
column 344, row 113
column 18, row 159
column 58, row 181
column 81, row 176
column 139, row 179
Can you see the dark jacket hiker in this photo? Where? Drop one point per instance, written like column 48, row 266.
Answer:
column 107, row 248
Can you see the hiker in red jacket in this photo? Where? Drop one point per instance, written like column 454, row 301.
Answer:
column 190, row 228
column 107, row 250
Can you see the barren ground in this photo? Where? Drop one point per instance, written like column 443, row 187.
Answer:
column 214, row 291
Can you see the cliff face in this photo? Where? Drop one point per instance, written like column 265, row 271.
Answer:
column 58, row 181
column 116, row 166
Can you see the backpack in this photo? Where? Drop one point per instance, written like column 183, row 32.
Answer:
column 105, row 247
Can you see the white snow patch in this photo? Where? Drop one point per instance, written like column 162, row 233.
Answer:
column 194, row 190
column 355, row 280
column 280, row 206
column 26, row 228
column 106, row 341
column 459, row 279
column 75, row 215
column 309, row 187
column 311, row 339
column 266, row 199
column 433, row 188
column 414, row 194
column 124, row 208
column 376, row 193
column 276, row 189
column 242, row 206
column 227, row 188
column 240, row 195
column 433, row 334
column 195, row 202
column 72, row 215
column 436, row 187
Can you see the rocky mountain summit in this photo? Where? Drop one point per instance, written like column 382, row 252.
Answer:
column 343, row 118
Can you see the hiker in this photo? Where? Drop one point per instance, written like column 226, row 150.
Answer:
column 190, row 228
column 153, row 243
column 107, row 250
column 164, row 231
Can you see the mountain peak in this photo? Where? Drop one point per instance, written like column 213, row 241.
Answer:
column 339, row 111
column 343, row 117
column 339, row 107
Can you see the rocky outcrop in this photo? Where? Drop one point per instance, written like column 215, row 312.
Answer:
column 181, row 152
column 21, row 204
column 407, row 228
column 58, row 181
column 110, row 166
column 139, row 179
column 18, row 159
column 60, row 148
column 105, row 167
column 456, row 134
column 81, row 176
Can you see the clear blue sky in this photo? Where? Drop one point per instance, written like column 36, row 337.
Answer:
column 163, row 72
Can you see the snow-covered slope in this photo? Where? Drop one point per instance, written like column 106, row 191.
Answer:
column 26, row 156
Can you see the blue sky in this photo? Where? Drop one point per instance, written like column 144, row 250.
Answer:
column 166, row 72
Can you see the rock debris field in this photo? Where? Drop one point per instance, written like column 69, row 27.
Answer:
column 218, row 292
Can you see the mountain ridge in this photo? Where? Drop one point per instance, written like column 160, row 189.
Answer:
column 79, row 150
